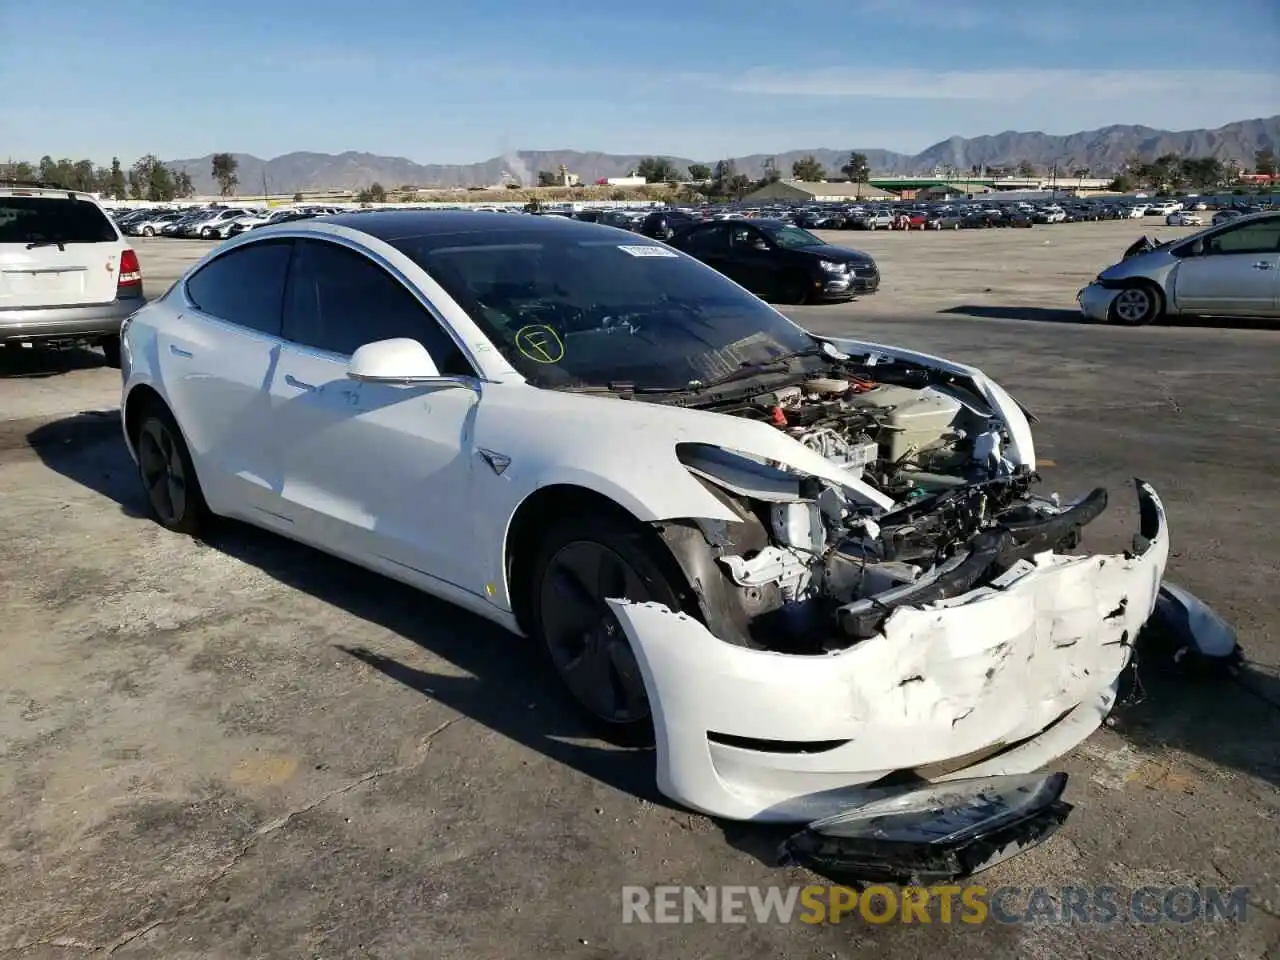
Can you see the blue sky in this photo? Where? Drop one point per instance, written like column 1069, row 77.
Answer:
column 464, row 81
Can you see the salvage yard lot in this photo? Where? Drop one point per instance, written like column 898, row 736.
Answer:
column 246, row 749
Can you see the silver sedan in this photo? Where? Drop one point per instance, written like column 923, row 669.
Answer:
column 1232, row 270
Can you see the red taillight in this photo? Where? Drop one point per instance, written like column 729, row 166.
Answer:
column 130, row 269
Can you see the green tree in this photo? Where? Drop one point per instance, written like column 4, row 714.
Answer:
column 115, row 182
column 808, row 169
column 82, row 176
column 182, row 185
column 1026, row 169
column 48, row 169
column 375, row 193
column 547, row 179
column 658, row 170
column 1264, row 162
column 151, row 180
column 1202, row 172
column 1124, row 183
column 699, row 172
column 771, row 172
column 856, row 168
column 297, row 197
column 224, row 167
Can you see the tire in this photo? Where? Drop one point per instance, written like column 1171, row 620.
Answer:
column 1136, row 305
column 111, row 350
column 206, row 234
column 576, row 631
column 148, row 232
column 163, row 458
column 794, row 288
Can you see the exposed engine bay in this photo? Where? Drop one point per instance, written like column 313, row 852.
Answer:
column 904, row 438
column 812, row 567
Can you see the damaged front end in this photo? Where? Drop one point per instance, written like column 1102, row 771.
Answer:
column 843, row 647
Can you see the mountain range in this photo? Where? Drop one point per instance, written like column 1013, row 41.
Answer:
column 1102, row 152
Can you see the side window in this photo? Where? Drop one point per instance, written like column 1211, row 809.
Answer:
column 1262, row 236
column 705, row 240
column 245, row 286
column 338, row 300
column 744, row 238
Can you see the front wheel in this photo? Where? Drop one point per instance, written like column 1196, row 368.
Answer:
column 168, row 475
column 148, row 232
column 1136, row 306
column 794, row 288
column 583, row 562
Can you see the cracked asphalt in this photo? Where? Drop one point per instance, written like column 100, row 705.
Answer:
column 243, row 748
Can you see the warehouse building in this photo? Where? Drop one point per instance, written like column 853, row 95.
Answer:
column 804, row 191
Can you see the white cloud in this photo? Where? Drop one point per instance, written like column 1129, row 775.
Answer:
column 1003, row 86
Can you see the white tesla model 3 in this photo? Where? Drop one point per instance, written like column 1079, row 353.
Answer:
column 800, row 564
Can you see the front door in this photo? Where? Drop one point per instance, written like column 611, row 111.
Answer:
column 1238, row 272
column 751, row 260
column 375, row 472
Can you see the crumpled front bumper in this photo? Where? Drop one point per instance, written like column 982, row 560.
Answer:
column 1095, row 301
column 1000, row 680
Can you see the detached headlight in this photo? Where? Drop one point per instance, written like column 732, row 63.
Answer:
column 937, row 832
column 831, row 266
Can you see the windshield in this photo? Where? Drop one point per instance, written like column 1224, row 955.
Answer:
column 789, row 237
column 575, row 311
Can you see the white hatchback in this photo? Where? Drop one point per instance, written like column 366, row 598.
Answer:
column 67, row 275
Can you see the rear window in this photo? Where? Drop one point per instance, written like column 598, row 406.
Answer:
column 53, row 219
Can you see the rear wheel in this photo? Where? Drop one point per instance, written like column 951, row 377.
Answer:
column 583, row 562
column 148, row 231
column 168, row 475
column 1136, row 306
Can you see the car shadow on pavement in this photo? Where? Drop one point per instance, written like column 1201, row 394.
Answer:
column 508, row 689
column 33, row 363
column 1059, row 315
column 1226, row 713
column 1038, row 314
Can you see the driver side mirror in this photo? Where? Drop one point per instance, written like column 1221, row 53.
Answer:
column 1197, row 248
column 400, row 360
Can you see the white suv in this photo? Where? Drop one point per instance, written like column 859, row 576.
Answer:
column 66, row 273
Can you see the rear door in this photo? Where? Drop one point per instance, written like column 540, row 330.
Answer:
column 216, row 358
column 56, row 250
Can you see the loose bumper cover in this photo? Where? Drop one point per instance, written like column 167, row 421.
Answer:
column 999, row 680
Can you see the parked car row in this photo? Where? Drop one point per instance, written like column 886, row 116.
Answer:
column 215, row 222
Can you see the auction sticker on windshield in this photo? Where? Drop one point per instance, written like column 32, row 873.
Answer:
column 648, row 250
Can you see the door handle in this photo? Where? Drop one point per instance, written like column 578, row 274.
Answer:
column 1262, row 265
column 179, row 352
column 293, row 381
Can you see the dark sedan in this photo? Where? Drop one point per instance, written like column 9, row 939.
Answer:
column 779, row 261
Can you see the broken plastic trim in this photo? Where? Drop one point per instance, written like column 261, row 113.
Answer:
column 1000, row 547
column 939, row 832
